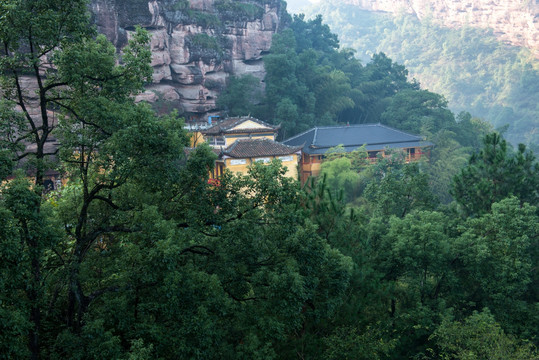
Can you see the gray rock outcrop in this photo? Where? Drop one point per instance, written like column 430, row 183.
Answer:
column 196, row 44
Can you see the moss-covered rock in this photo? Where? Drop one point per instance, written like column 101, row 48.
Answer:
column 205, row 47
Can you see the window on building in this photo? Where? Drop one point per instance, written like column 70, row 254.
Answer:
column 220, row 140
column 238, row 161
column 286, row 158
column 216, row 140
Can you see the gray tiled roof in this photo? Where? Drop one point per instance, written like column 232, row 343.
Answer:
column 374, row 136
column 247, row 148
column 225, row 126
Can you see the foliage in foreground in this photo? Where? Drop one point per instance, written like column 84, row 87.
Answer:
column 138, row 257
column 422, row 272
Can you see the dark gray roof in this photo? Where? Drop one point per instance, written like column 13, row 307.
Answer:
column 247, row 148
column 375, row 136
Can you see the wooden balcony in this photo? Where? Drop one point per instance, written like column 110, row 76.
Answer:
column 416, row 156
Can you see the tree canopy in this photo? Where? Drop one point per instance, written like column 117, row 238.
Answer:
column 137, row 256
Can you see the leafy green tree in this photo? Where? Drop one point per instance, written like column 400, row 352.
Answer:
column 107, row 140
column 418, row 111
column 14, row 306
column 383, row 79
column 348, row 343
column 415, row 258
column 420, row 253
column 447, row 159
column 232, row 271
column 389, row 76
column 470, row 130
column 304, row 87
column 358, row 157
column 29, row 42
column 288, row 116
column 31, row 32
column 332, row 91
column 340, row 177
column 287, row 96
column 496, row 256
column 241, row 96
column 326, row 206
column 397, row 188
column 495, row 173
column 479, row 336
column 27, row 235
column 313, row 34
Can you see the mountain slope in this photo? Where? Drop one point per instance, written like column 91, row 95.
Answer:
column 513, row 21
column 473, row 70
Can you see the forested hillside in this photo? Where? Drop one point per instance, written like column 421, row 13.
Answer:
column 473, row 70
column 136, row 255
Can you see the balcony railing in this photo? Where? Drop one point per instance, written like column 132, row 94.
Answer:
column 416, row 156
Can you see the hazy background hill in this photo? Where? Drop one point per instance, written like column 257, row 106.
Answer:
column 470, row 66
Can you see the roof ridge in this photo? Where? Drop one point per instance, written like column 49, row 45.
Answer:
column 401, row 131
column 266, row 139
column 300, row 134
column 315, row 136
column 231, row 146
column 345, row 126
column 257, row 138
column 368, row 144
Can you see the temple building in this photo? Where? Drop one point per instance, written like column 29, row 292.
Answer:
column 376, row 138
column 241, row 141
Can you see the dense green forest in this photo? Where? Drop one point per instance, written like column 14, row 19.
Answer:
column 136, row 256
column 474, row 71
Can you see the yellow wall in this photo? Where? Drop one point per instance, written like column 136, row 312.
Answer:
column 292, row 166
column 196, row 139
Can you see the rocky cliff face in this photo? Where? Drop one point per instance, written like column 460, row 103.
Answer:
column 513, row 21
column 196, row 44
